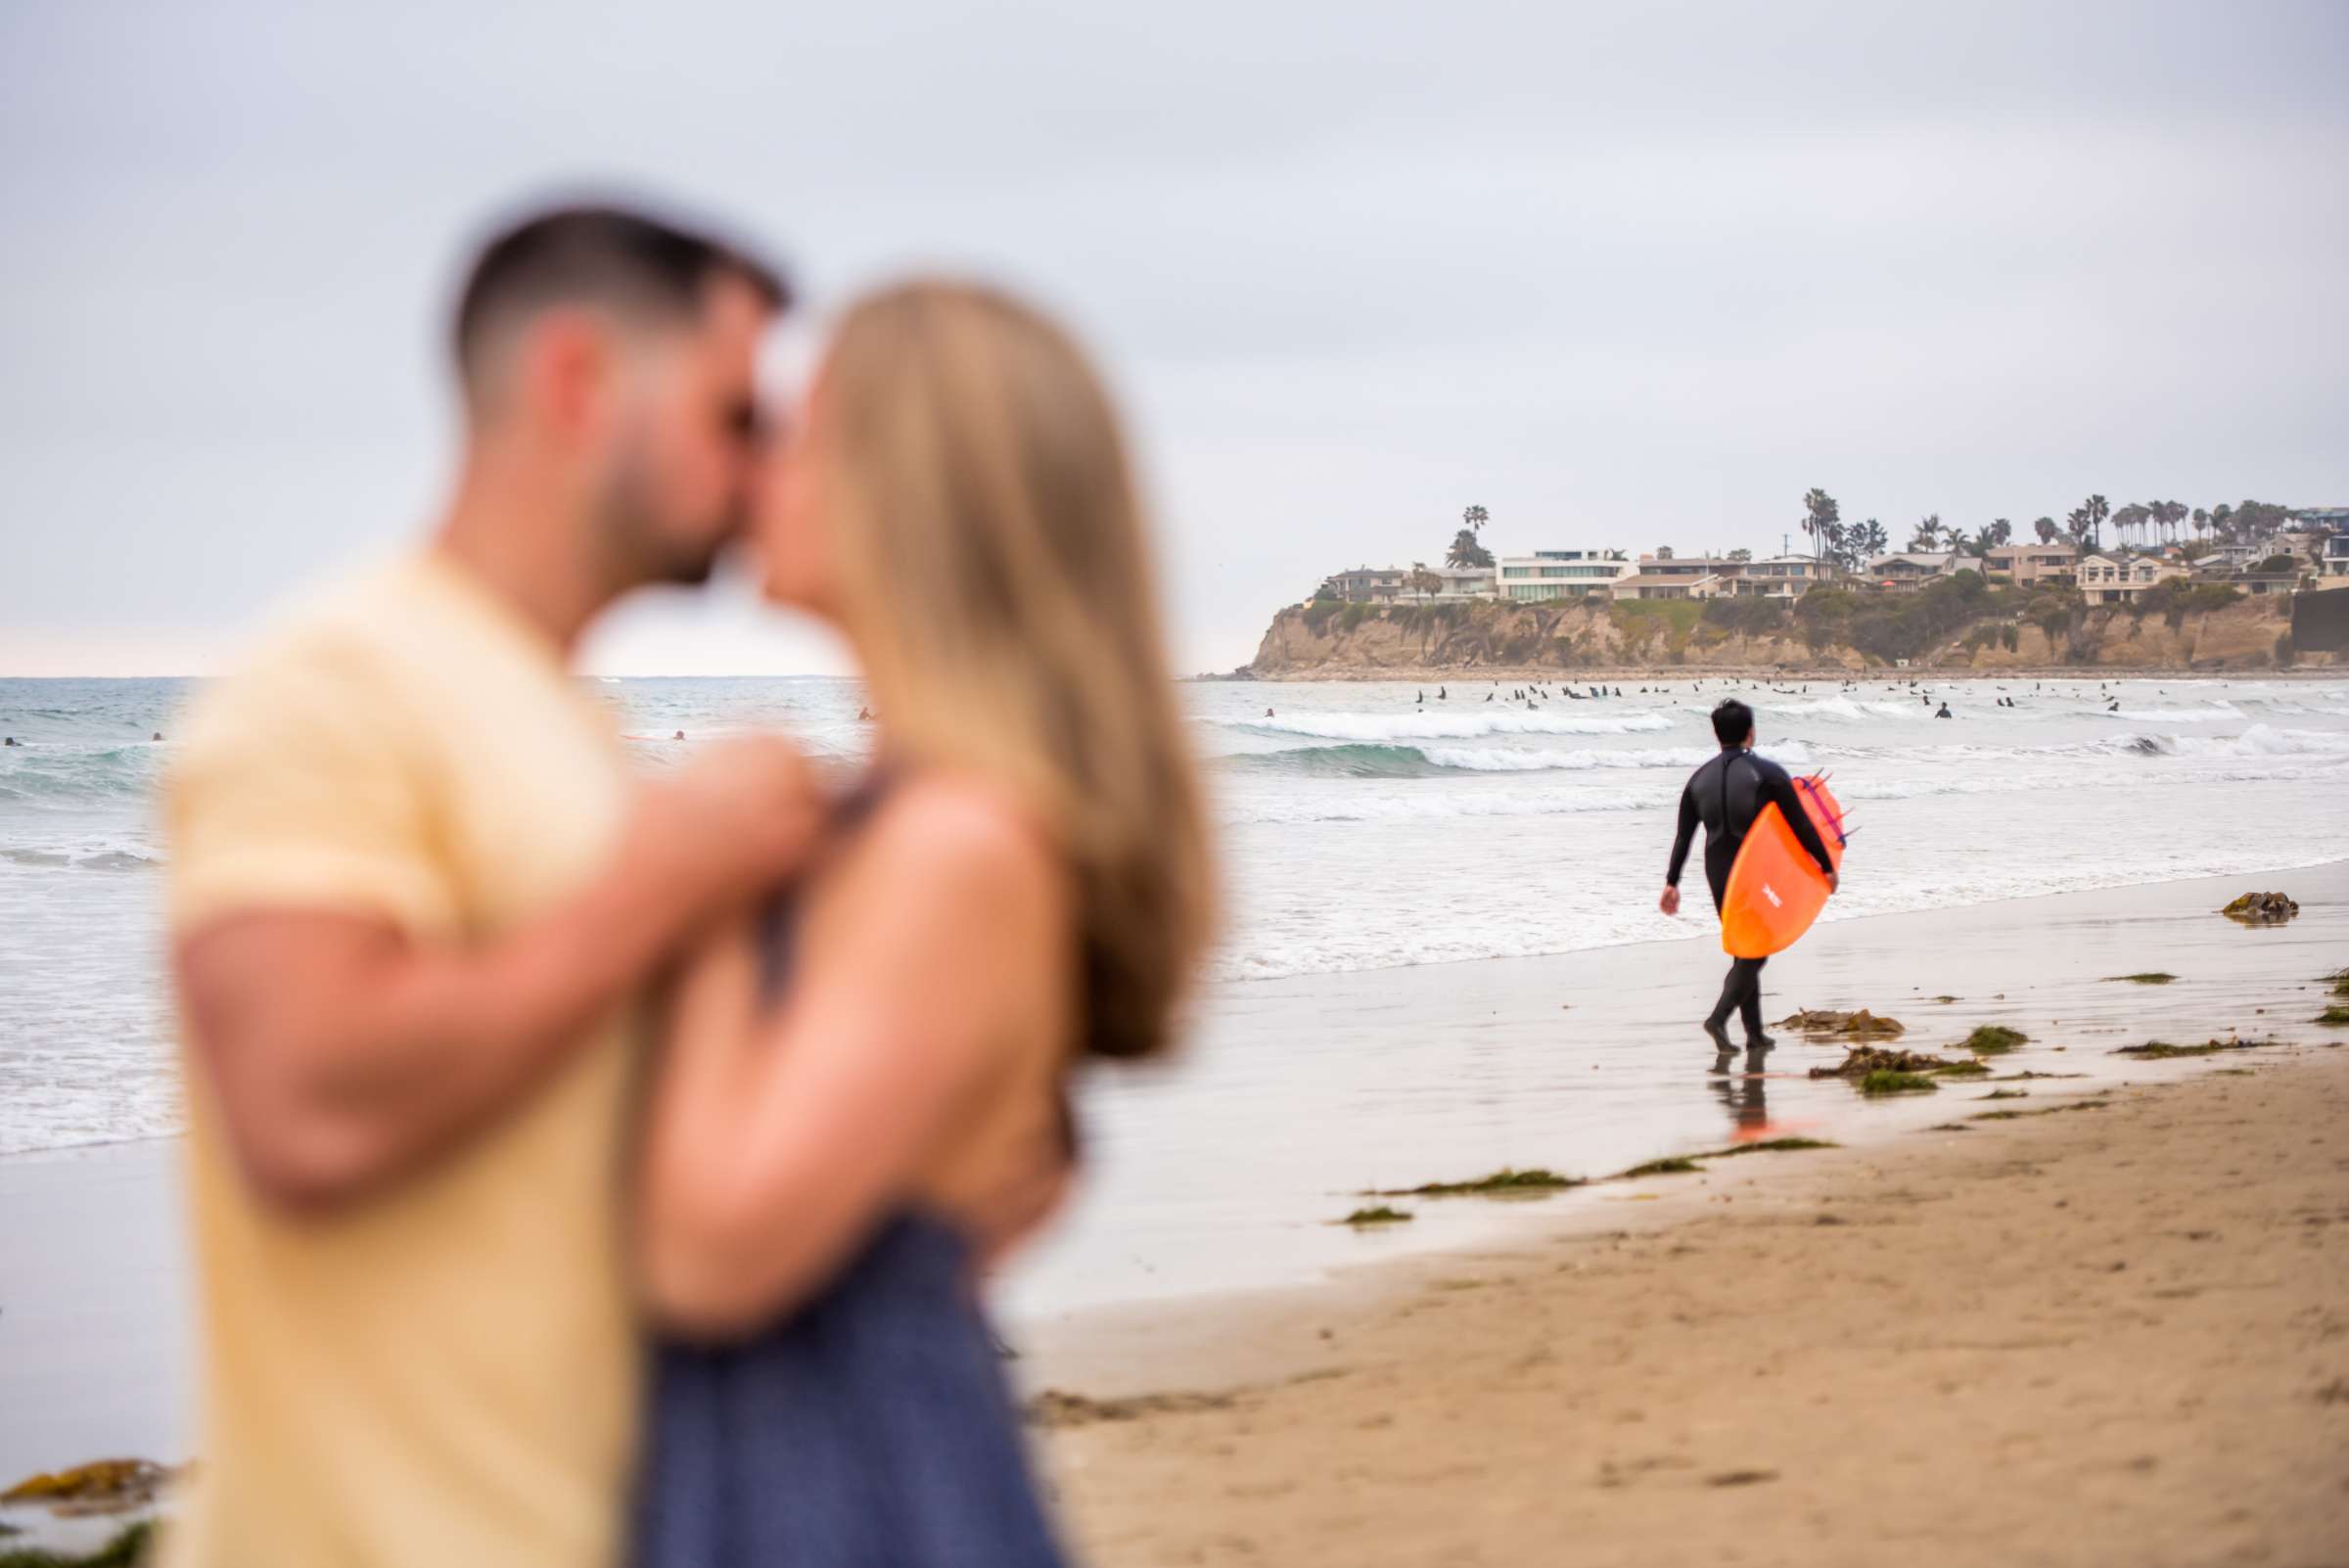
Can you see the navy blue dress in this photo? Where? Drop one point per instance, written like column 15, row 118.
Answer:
column 872, row 1428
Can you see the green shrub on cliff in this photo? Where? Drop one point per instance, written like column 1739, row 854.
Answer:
column 2176, row 598
column 1748, row 617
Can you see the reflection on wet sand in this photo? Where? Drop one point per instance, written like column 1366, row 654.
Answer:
column 1744, row 1093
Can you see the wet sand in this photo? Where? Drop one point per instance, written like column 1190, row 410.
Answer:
column 2099, row 1336
column 1202, row 1254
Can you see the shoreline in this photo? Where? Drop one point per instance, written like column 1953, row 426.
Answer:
column 95, row 1228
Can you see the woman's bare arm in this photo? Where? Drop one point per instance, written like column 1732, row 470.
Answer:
column 779, row 1137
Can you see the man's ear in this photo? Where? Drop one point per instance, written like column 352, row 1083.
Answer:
column 566, row 370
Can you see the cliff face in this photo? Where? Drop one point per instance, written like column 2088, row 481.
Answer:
column 1362, row 642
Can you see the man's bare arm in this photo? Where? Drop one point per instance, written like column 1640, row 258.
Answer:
column 343, row 1056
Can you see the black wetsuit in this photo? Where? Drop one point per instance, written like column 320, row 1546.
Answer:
column 1727, row 794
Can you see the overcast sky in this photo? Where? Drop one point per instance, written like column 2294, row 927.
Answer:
column 1626, row 275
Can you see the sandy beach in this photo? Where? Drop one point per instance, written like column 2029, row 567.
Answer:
column 2101, row 1320
column 2115, row 1337
column 1915, row 1343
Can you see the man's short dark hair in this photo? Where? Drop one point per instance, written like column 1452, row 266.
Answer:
column 1732, row 722
column 602, row 255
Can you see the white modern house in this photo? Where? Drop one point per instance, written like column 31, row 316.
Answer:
column 1783, row 576
column 1466, row 582
column 2034, row 563
column 1666, row 576
column 1561, row 574
column 1908, row 571
column 2113, row 580
column 2333, row 566
column 1367, row 584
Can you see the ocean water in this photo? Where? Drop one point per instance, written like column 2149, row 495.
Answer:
column 1362, row 828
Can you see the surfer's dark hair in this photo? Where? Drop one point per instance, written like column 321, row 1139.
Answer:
column 610, row 257
column 1732, row 722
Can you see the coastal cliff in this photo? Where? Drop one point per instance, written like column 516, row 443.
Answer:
column 1980, row 631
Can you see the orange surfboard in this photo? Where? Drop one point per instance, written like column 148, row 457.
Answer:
column 1775, row 890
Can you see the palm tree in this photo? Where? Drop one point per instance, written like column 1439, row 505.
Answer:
column 1819, row 512
column 2173, row 518
column 2098, row 510
column 1476, row 517
column 2202, row 520
column 1872, row 540
column 2076, row 525
column 1464, row 552
column 2131, row 517
column 1422, row 581
column 1927, row 537
column 2000, row 530
column 2045, row 528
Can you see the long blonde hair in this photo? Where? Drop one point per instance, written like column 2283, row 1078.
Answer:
column 997, row 580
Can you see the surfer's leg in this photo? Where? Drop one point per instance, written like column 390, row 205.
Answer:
column 1732, row 991
column 1749, row 1007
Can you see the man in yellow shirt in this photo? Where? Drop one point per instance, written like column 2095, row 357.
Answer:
column 413, row 900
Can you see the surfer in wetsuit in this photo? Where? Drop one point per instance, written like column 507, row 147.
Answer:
column 1727, row 795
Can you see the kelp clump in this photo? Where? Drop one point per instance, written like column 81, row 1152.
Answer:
column 2262, row 908
column 1860, row 1024
column 2159, row 1050
column 1503, row 1182
column 1865, row 1059
column 1884, row 1082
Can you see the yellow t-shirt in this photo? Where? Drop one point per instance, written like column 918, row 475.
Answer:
column 447, row 1375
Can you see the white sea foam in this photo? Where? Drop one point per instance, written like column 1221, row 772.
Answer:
column 2260, row 740
column 1846, row 707
column 1414, row 726
column 2216, row 713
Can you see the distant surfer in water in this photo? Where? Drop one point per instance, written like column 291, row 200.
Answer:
column 1727, row 795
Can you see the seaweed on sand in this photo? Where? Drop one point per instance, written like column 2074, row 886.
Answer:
column 2262, row 908
column 1379, row 1215
column 2151, row 976
column 1865, row 1059
column 1883, row 1082
column 1499, row 1183
column 1862, row 1025
column 2336, row 1015
column 126, row 1550
column 2158, row 1050
column 1770, row 1147
column 1994, row 1040
column 1677, row 1165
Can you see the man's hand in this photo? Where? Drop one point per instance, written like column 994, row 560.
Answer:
column 345, row 1053
column 731, row 825
column 1670, row 903
column 1834, row 881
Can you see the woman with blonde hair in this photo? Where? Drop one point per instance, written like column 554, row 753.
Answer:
column 1021, row 881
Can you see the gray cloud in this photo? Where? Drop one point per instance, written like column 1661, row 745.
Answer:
column 1632, row 275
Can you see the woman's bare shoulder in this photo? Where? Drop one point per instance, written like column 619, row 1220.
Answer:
column 966, row 840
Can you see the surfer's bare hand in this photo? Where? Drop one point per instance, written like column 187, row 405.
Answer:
column 1670, row 903
column 1834, row 880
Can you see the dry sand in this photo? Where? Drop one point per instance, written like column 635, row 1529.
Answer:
column 2113, row 1336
